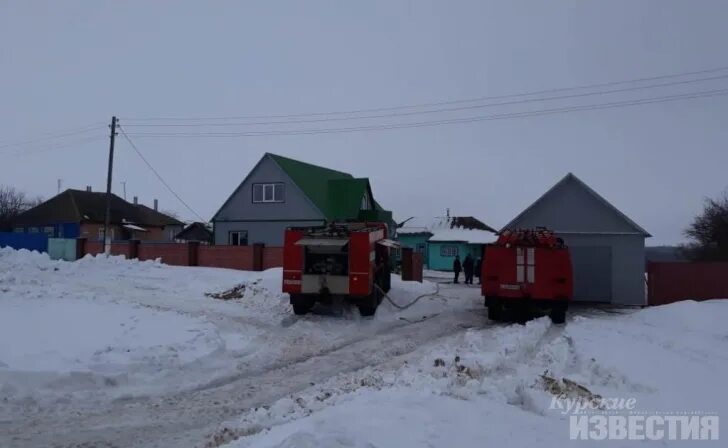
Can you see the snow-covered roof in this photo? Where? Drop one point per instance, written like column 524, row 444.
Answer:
column 471, row 236
column 452, row 228
column 412, row 230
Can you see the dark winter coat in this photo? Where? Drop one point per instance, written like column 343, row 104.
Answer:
column 468, row 264
column 456, row 266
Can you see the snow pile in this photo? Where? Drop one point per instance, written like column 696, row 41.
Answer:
column 494, row 387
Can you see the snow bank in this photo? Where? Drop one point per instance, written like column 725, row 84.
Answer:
column 489, row 387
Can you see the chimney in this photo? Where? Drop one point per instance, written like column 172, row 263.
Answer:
column 156, row 204
column 136, row 200
column 88, row 187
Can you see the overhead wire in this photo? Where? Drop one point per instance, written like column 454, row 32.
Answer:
column 55, row 146
column 159, row 176
column 438, row 103
column 55, row 135
column 471, row 119
column 433, row 111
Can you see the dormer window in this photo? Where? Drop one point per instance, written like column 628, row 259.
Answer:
column 365, row 203
column 273, row 192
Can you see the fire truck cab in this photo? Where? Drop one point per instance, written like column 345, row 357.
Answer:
column 345, row 260
column 527, row 268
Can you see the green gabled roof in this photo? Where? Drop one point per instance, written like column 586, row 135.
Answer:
column 311, row 179
column 345, row 197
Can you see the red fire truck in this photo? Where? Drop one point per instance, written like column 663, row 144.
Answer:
column 526, row 268
column 345, row 260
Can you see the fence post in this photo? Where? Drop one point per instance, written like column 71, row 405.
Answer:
column 407, row 268
column 258, row 249
column 192, row 253
column 80, row 248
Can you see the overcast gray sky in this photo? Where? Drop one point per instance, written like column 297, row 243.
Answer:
column 65, row 65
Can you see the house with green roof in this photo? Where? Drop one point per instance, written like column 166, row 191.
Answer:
column 280, row 192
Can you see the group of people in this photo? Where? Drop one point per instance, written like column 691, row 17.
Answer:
column 470, row 268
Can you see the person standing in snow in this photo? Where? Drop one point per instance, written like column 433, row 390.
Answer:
column 468, row 266
column 456, row 268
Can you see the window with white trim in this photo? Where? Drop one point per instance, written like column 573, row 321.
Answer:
column 101, row 233
column 448, row 251
column 273, row 192
column 238, row 238
column 49, row 230
column 365, row 203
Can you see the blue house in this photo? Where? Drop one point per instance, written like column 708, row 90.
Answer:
column 444, row 238
column 457, row 236
column 415, row 238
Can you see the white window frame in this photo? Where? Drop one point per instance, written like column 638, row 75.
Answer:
column 273, row 192
column 239, row 233
column 365, row 203
column 449, row 251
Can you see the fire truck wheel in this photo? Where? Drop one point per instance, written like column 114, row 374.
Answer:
column 495, row 308
column 558, row 312
column 368, row 306
column 301, row 304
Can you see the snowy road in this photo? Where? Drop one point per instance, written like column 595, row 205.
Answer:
column 108, row 352
column 243, row 354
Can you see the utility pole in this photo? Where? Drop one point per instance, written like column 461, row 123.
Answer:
column 123, row 184
column 107, row 222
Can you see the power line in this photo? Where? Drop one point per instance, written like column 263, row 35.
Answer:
column 439, row 103
column 502, row 116
column 55, row 147
column 159, row 176
column 451, row 109
column 52, row 136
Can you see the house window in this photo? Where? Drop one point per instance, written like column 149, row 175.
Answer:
column 238, row 238
column 420, row 248
column 18, row 230
column 49, row 230
column 448, row 251
column 101, row 234
column 365, row 204
column 32, row 229
column 171, row 235
column 268, row 193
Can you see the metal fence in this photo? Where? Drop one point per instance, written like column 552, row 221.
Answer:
column 669, row 282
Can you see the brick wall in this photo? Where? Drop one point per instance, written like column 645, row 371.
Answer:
column 189, row 254
column 231, row 257
column 170, row 253
column 272, row 257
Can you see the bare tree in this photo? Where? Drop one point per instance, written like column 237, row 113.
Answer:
column 12, row 203
column 708, row 232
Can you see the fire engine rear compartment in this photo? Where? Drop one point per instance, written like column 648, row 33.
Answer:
column 325, row 266
column 347, row 262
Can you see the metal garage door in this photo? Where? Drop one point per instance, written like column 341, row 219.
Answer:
column 592, row 273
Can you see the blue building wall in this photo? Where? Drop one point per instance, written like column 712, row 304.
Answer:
column 30, row 241
column 418, row 242
column 60, row 229
column 441, row 254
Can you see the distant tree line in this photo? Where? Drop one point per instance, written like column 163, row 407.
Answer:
column 12, row 203
column 708, row 233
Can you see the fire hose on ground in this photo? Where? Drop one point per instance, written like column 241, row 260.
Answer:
column 404, row 307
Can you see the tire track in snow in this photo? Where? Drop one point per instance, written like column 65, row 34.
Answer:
column 186, row 418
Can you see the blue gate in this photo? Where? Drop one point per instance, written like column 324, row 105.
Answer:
column 30, row 241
